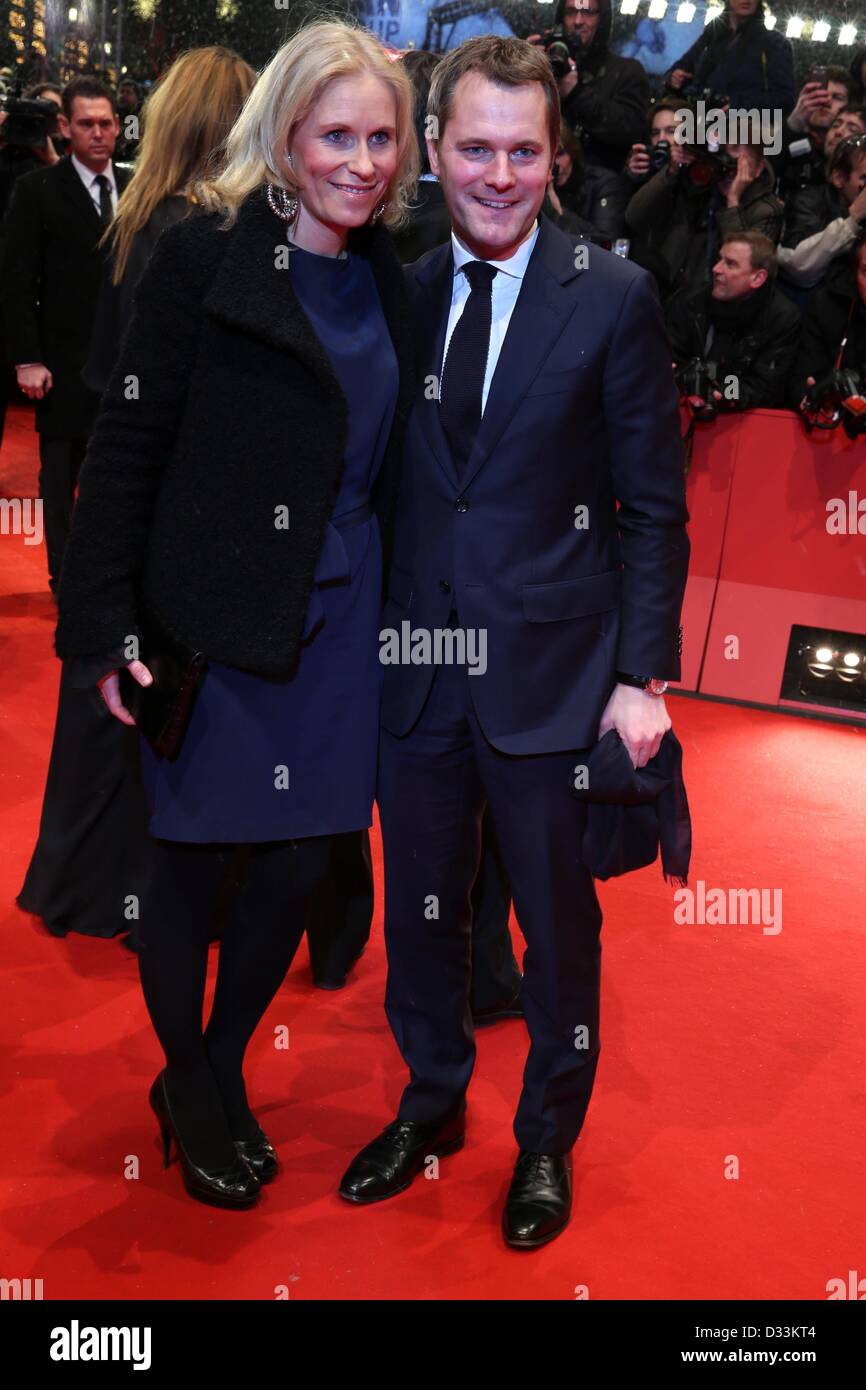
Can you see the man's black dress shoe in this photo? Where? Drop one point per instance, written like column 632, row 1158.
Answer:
column 389, row 1164
column 538, row 1204
column 510, row 1008
column 338, row 979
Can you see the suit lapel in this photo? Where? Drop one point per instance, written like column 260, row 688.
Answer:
column 431, row 309
column 538, row 318
column 74, row 189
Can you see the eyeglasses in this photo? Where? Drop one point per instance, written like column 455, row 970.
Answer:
column 850, row 142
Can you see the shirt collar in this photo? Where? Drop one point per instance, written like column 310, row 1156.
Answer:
column 515, row 265
column 87, row 175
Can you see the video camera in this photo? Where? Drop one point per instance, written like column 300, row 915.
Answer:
column 838, row 398
column 29, row 122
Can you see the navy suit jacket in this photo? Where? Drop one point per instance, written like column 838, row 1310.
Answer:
column 581, row 413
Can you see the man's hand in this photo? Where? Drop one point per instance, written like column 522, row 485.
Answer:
column 679, row 77
column 569, row 82
column 47, row 153
column 109, row 689
column 857, row 209
column 641, row 721
column 35, row 381
column 744, row 175
column 813, row 97
column 638, row 162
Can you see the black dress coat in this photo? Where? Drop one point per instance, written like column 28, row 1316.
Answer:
column 223, row 408
column 50, row 276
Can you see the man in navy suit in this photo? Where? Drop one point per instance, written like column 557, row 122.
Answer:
column 526, row 616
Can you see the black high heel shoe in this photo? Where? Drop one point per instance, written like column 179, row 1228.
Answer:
column 261, row 1156
column 235, row 1186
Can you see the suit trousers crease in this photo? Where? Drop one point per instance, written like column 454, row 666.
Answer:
column 433, row 786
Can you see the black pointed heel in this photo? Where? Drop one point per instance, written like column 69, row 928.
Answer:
column 236, row 1186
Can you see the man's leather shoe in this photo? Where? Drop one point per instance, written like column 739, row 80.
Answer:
column 538, row 1204
column 389, row 1164
column 509, row 1008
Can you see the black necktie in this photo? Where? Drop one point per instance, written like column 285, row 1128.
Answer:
column 105, row 208
column 466, row 363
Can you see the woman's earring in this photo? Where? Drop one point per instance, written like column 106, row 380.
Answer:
column 378, row 213
column 282, row 203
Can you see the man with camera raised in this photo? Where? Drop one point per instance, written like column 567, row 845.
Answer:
column 604, row 97
column 827, row 379
column 825, row 220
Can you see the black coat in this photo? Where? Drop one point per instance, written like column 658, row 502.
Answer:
column 608, row 107
column 758, row 348
column 810, row 210
column 49, row 280
column 752, row 64
column 429, row 223
column 223, row 407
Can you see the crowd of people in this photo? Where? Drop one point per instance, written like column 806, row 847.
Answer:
column 109, row 264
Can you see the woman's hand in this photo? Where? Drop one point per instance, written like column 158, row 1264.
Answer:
column 109, row 689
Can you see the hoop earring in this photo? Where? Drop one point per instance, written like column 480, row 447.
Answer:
column 283, row 204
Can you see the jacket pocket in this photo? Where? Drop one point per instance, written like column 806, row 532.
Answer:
column 551, row 383
column 571, row 598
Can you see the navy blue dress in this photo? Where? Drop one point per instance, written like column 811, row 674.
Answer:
column 282, row 759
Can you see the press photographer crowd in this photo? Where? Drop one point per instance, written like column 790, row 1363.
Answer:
column 185, row 389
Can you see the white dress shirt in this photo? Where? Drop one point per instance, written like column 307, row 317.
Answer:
column 88, row 178
column 506, row 288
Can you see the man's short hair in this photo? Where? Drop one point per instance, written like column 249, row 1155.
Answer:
column 842, row 78
column 36, row 87
column 852, row 109
column 762, row 251
column 89, row 87
column 509, row 62
column 847, row 155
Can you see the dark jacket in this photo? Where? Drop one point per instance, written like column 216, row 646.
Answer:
column 608, row 107
column 811, row 210
column 50, row 278
column 834, row 312
column 429, row 223
column 114, row 305
column 756, row 342
column 595, row 198
column 222, row 408
column 753, row 65
column 685, row 225
column 565, row 597
column 633, row 812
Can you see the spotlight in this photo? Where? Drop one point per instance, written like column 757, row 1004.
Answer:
column 848, row 33
column 629, row 6
column 686, row 12
column 851, row 659
column 826, row 668
column 713, row 12
column 820, row 30
column 823, row 655
column 794, row 29
column 769, row 20
column 657, row 9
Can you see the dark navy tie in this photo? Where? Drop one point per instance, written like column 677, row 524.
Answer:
column 466, row 363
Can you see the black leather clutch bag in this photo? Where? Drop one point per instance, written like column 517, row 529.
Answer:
column 162, row 710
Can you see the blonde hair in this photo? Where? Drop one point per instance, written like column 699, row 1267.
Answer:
column 286, row 91
column 184, row 126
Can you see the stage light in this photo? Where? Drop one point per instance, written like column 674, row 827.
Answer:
column 848, row 33
column 820, row 30
column 824, row 654
column 657, row 9
column 629, row 6
column 851, row 659
column 73, row 15
column 713, row 12
column 769, row 20
column 686, row 12
column 794, row 29
column 826, row 668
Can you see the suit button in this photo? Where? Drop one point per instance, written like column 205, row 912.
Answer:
column 445, row 586
column 462, row 504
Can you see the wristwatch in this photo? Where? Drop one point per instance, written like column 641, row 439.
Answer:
column 651, row 684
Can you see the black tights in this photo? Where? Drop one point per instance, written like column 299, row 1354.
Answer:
column 204, row 1078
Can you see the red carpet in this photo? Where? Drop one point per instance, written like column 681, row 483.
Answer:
column 719, row 1044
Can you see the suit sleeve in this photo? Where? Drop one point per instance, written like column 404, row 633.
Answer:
column 20, row 276
column 131, row 443
column 647, row 467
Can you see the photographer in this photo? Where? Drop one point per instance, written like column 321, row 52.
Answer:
column 658, row 149
column 826, row 93
column 743, row 324
column 585, row 200
column 699, row 199
column 604, row 97
column 736, row 54
column 833, row 333
column 824, row 221
column 29, row 139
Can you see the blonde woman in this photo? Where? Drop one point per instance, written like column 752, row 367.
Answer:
column 237, row 494
column 92, row 852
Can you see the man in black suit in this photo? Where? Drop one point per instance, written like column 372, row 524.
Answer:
column 50, row 282
column 526, row 616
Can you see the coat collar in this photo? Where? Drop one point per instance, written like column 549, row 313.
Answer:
column 74, row 188
column 538, row 318
column 252, row 290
